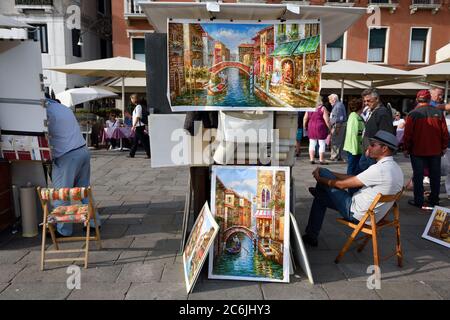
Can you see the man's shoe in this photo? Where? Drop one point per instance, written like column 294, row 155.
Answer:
column 312, row 242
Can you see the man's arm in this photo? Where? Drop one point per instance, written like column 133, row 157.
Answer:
column 347, row 182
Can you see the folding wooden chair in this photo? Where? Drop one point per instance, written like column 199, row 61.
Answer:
column 74, row 213
column 371, row 231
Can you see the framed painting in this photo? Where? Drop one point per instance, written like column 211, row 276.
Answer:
column 245, row 65
column 438, row 227
column 202, row 236
column 251, row 207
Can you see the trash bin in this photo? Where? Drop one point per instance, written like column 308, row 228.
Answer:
column 28, row 210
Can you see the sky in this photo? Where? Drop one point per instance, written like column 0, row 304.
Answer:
column 243, row 181
column 232, row 34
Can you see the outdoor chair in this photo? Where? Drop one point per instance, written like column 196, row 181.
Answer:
column 73, row 213
column 371, row 231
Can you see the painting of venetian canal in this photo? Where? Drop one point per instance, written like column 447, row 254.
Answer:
column 230, row 66
column 250, row 205
column 201, row 237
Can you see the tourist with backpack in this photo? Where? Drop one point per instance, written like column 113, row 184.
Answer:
column 140, row 116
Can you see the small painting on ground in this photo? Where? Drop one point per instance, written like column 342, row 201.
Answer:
column 251, row 207
column 197, row 246
column 235, row 66
column 438, row 227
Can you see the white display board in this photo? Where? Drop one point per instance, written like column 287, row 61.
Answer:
column 20, row 87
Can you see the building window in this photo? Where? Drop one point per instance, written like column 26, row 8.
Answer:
column 335, row 50
column 39, row 34
column 76, row 49
column 418, row 48
column 139, row 49
column 377, row 45
column 103, row 49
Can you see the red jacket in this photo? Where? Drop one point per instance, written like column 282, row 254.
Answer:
column 426, row 132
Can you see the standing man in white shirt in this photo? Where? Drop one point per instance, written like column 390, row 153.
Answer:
column 138, row 127
column 385, row 177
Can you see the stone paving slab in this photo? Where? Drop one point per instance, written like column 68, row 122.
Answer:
column 346, row 290
column 100, row 291
column 12, row 256
column 141, row 273
column 9, row 271
column 441, row 287
column 295, row 290
column 226, row 290
column 157, row 291
column 36, row 291
column 408, row 290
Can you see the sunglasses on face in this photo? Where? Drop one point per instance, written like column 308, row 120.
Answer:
column 373, row 144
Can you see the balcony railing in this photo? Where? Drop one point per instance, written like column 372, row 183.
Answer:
column 340, row 3
column 45, row 5
column 132, row 8
column 433, row 5
column 389, row 4
column 34, row 2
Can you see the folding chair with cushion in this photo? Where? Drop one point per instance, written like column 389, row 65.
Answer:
column 73, row 213
column 371, row 231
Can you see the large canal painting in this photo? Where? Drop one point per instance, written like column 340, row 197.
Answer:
column 231, row 66
column 251, row 207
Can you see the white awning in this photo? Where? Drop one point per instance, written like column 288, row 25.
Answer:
column 335, row 20
column 263, row 214
column 9, row 23
column 443, row 54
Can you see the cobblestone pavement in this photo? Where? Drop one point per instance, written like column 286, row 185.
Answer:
column 142, row 211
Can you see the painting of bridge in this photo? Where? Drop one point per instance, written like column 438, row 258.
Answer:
column 250, row 204
column 232, row 66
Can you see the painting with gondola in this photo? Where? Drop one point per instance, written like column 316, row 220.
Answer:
column 251, row 206
column 223, row 65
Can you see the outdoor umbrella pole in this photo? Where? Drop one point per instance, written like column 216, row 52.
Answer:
column 446, row 92
column 342, row 90
column 123, row 98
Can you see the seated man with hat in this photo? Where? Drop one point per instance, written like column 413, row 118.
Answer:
column 385, row 177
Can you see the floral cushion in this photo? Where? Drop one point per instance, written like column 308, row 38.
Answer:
column 77, row 213
column 64, row 194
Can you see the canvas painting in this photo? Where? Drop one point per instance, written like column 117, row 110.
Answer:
column 251, row 207
column 438, row 227
column 236, row 66
column 202, row 235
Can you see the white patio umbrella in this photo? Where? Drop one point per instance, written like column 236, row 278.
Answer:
column 439, row 72
column 75, row 96
column 9, row 23
column 358, row 71
column 112, row 67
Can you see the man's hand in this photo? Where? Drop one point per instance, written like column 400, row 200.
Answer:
column 133, row 128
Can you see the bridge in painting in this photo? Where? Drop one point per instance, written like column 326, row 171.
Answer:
column 238, row 229
column 229, row 64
